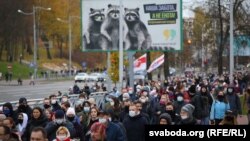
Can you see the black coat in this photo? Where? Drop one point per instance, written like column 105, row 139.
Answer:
column 135, row 127
column 40, row 122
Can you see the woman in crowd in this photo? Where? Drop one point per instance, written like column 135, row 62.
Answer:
column 93, row 118
column 219, row 108
column 98, row 132
column 62, row 134
column 37, row 119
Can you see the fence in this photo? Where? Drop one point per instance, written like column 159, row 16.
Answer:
column 98, row 96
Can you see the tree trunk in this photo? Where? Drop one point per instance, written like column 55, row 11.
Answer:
column 1, row 51
column 29, row 49
column 166, row 65
column 48, row 53
column 46, row 45
column 148, row 64
column 59, row 43
column 220, row 58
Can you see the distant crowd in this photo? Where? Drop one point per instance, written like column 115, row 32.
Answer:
column 189, row 100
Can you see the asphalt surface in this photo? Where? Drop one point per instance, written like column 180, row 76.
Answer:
column 11, row 91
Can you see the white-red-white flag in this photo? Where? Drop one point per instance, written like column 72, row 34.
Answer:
column 156, row 63
column 140, row 64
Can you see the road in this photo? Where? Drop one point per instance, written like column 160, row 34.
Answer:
column 12, row 92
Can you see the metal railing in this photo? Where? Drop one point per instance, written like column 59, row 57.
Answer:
column 73, row 98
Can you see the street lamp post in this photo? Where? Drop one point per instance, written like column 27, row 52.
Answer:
column 70, row 39
column 34, row 34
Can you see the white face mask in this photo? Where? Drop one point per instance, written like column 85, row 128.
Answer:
column 143, row 100
column 124, row 98
column 61, row 137
column 86, row 109
column 53, row 101
column 230, row 90
column 110, row 119
column 64, row 99
column 138, row 90
column 179, row 98
column 184, row 117
column 132, row 113
column 130, row 91
column 102, row 120
column 112, row 103
column 82, row 100
column 59, row 121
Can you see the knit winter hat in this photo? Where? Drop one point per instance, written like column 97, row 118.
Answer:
column 189, row 108
column 71, row 111
column 59, row 114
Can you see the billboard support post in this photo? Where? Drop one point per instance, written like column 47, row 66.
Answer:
column 121, row 47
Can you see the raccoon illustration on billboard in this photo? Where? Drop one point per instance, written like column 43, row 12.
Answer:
column 145, row 27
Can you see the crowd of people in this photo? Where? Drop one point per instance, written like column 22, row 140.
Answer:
column 186, row 100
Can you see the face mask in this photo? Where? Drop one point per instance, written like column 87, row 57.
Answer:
column 184, row 117
column 220, row 97
column 59, row 121
column 138, row 90
column 124, row 98
column 132, row 113
column 71, row 118
column 64, row 99
column 20, row 121
column 130, row 91
column 62, row 137
column 22, row 106
column 112, row 103
column 102, row 120
column 110, row 119
column 170, row 112
column 53, row 101
column 86, row 109
column 6, row 112
column 46, row 106
column 143, row 100
column 230, row 90
column 180, row 98
column 82, row 100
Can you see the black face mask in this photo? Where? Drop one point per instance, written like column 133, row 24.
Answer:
column 20, row 121
column 22, row 107
column 71, row 118
column 171, row 113
column 220, row 97
column 46, row 106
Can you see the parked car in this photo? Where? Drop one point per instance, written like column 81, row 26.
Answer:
column 82, row 77
column 97, row 77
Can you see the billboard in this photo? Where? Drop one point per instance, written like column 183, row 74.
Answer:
column 147, row 25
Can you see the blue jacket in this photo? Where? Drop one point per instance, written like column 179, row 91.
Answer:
column 114, row 133
column 218, row 110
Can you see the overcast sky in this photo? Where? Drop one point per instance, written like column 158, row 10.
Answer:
column 190, row 4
